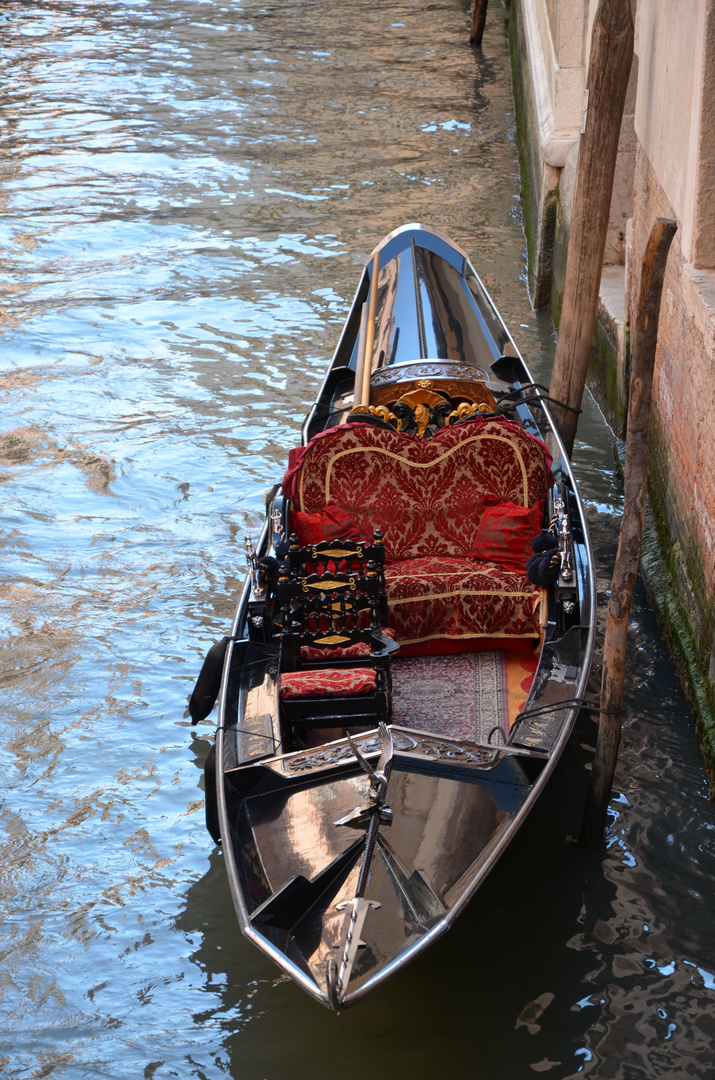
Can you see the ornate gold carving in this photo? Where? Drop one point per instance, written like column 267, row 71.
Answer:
column 421, row 419
column 465, row 409
column 421, row 397
column 461, row 388
column 379, row 410
column 328, row 586
column 456, row 389
column 384, row 413
column 336, row 553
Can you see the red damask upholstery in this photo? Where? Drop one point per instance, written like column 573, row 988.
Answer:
column 430, row 499
column 327, row 683
column 426, row 496
column 464, row 603
column 505, row 533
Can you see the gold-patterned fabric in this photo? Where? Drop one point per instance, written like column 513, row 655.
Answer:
column 427, row 497
column 327, row 682
column 455, row 601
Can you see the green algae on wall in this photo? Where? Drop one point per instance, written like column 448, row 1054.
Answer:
column 675, row 585
column 539, row 183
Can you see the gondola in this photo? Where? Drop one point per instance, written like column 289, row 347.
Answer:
column 396, row 690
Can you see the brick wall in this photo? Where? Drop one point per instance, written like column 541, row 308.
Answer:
column 683, row 444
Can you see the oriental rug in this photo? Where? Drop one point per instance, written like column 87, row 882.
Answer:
column 469, row 696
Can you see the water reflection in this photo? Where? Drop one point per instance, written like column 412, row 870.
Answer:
column 187, row 196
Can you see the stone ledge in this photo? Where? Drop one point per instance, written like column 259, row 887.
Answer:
column 554, row 143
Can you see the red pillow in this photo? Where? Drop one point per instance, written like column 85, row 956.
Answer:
column 334, row 523
column 505, row 533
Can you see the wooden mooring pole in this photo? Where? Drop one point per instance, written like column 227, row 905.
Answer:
column 644, row 342
column 608, row 73
column 479, row 17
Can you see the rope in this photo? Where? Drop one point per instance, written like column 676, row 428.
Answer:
column 580, row 703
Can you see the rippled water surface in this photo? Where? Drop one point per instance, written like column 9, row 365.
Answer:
column 189, row 190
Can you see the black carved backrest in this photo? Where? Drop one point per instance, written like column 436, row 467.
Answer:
column 333, row 559
column 327, row 612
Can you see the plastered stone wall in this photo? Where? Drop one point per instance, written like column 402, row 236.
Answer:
column 671, row 46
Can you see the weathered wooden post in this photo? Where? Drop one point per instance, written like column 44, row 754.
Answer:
column 644, row 342
column 479, row 17
column 607, row 81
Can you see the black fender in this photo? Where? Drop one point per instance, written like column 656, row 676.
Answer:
column 208, row 684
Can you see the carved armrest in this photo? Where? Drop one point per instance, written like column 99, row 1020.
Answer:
column 388, row 646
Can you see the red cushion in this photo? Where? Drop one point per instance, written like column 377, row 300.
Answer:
column 351, row 652
column 459, row 600
column 427, row 496
column 505, row 533
column 330, row 524
column 327, row 682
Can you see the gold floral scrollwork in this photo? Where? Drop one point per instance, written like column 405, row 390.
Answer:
column 425, row 384
column 467, row 408
column 382, row 412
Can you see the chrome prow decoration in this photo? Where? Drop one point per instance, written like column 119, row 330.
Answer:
column 375, row 813
column 338, row 979
column 379, row 776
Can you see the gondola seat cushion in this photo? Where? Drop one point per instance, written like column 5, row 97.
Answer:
column 475, row 489
column 327, row 682
column 505, row 534
column 330, row 524
column 458, row 604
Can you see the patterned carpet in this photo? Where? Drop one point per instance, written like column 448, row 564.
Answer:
column 462, row 696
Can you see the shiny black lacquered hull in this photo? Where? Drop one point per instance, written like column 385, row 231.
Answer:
column 304, row 843
column 346, row 860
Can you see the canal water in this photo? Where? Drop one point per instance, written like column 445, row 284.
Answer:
column 189, row 190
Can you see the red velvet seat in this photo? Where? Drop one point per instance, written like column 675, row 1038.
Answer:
column 327, row 683
column 455, row 604
column 429, row 498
